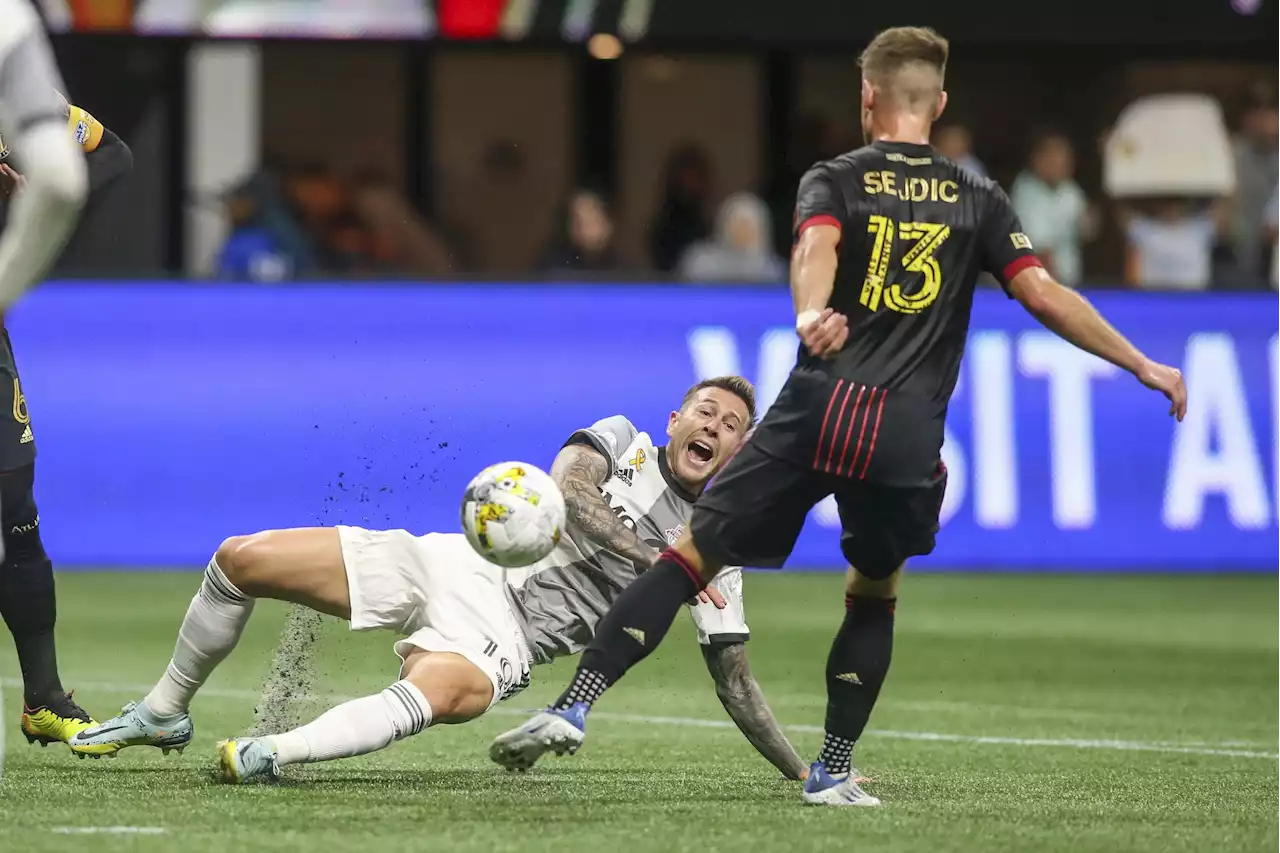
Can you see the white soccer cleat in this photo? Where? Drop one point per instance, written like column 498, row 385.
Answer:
column 555, row 731
column 135, row 725
column 823, row 789
column 243, row 760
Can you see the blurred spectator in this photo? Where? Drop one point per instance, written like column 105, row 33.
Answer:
column 1170, row 243
column 954, row 142
column 266, row 241
column 681, row 219
column 1256, row 175
column 350, row 245
column 742, row 248
column 400, row 237
column 584, row 242
column 1053, row 209
column 1273, row 234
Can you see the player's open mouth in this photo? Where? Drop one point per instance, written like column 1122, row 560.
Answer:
column 701, row 452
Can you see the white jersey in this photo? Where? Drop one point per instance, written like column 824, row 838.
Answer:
column 565, row 595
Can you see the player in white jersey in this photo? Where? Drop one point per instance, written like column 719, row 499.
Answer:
column 32, row 120
column 471, row 631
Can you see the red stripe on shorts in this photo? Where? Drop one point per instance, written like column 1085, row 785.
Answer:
column 862, row 433
column 848, row 433
column 875, row 431
column 822, row 431
column 836, row 429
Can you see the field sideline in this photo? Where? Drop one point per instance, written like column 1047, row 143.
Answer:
column 1054, row 713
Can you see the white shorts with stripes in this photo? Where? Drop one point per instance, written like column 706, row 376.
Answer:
column 439, row 593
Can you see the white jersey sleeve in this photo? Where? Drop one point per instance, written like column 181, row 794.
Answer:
column 32, row 121
column 611, row 436
column 728, row 625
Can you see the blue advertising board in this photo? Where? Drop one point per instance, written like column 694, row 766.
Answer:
column 170, row 416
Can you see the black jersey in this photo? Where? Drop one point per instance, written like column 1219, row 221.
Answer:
column 917, row 230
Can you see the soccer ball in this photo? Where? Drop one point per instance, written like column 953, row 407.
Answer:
column 513, row 514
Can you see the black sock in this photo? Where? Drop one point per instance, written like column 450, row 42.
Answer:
column 29, row 608
column 632, row 628
column 856, row 669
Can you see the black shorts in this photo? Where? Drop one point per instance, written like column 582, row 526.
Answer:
column 17, row 443
column 878, row 454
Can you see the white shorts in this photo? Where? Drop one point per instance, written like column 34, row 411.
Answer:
column 439, row 593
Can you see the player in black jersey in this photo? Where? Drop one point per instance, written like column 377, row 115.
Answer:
column 889, row 243
column 27, row 599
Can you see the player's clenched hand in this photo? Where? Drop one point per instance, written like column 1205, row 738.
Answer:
column 1168, row 381
column 825, row 336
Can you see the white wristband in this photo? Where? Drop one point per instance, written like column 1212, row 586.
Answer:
column 807, row 318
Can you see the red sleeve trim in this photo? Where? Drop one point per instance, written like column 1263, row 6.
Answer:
column 819, row 219
column 1025, row 262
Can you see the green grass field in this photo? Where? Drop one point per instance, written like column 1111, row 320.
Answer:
column 1022, row 714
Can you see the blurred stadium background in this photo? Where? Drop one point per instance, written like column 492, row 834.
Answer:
column 369, row 246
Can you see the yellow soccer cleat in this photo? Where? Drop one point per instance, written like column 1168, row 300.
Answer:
column 58, row 722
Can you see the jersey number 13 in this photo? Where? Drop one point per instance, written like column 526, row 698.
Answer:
column 926, row 237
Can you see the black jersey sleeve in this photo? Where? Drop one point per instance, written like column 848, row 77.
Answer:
column 1006, row 250
column 818, row 201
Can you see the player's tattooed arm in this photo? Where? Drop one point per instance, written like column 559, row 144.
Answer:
column 742, row 697
column 580, row 470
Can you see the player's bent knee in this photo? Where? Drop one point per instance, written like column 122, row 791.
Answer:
column 874, row 581
column 456, row 689
column 244, row 562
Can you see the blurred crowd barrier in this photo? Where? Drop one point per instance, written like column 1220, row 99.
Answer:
column 169, row 416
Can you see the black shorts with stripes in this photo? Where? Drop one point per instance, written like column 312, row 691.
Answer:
column 876, row 451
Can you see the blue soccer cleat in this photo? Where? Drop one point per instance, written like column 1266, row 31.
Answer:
column 824, row 789
column 550, row 731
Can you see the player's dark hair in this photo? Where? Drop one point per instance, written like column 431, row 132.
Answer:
column 907, row 49
column 736, row 385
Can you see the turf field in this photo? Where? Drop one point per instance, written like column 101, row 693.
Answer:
column 1022, row 714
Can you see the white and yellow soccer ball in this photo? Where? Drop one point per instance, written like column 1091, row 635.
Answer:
column 513, row 514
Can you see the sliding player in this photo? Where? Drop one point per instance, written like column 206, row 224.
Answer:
column 44, row 148
column 890, row 241
column 471, row 636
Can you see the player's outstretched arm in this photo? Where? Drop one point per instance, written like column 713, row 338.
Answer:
column 580, row 471
column 742, row 697
column 1072, row 317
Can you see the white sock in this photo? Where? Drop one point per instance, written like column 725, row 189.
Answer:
column 213, row 625
column 357, row 727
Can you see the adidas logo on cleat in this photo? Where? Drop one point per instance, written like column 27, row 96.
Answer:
column 635, row 634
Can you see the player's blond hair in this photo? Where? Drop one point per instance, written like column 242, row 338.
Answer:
column 736, row 385
column 907, row 65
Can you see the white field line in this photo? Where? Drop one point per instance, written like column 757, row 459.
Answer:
column 109, row 830
column 1225, row 750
